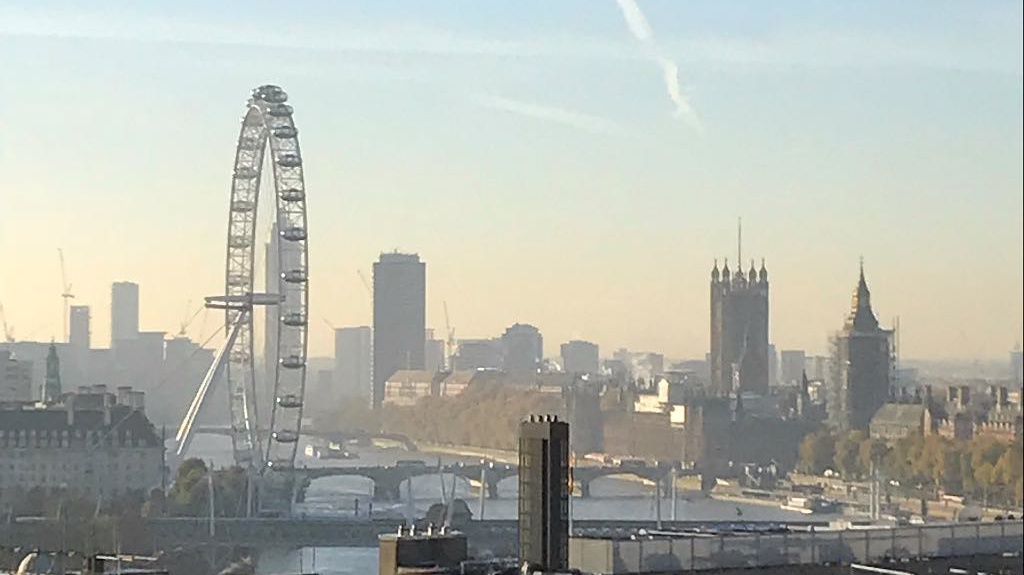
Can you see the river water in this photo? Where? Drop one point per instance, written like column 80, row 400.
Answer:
column 611, row 498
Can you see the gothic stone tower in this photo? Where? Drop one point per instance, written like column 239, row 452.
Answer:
column 51, row 390
column 861, row 366
column 739, row 330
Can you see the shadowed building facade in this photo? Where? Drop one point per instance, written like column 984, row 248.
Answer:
column 399, row 317
column 861, row 366
column 739, row 330
column 544, row 493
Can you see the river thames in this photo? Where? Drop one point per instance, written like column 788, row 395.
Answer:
column 611, row 498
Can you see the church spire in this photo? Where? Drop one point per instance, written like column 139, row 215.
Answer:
column 51, row 386
column 862, row 317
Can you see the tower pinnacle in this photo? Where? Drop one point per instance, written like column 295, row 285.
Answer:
column 51, row 391
column 862, row 317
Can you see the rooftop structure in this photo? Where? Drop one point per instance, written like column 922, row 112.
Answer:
column 94, row 441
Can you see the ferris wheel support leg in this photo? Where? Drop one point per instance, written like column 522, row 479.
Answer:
column 185, row 434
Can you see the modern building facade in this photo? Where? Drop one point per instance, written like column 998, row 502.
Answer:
column 739, row 330
column 522, row 348
column 353, row 362
column 399, row 317
column 476, row 354
column 580, row 357
column 791, row 364
column 1017, row 366
column 15, row 378
column 861, row 366
column 79, row 335
column 124, row 312
column 544, row 493
column 433, row 353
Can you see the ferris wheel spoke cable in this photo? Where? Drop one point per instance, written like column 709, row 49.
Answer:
column 268, row 133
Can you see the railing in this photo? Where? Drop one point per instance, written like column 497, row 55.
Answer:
column 796, row 548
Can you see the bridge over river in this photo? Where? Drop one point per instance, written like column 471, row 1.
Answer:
column 388, row 479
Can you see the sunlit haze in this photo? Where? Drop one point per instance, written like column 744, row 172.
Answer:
column 537, row 155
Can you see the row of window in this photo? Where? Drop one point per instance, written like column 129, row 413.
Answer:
column 114, row 466
column 59, row 480
column 33, row 453
column 72, row 442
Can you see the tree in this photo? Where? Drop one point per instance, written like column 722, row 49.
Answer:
column 984, row 474
column 1008, row 469
column 871, row 453
column 817, row 451
column 847, row 454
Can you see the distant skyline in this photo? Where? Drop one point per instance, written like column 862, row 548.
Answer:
column 535, row 156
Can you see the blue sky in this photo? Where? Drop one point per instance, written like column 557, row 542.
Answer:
column 531, row 153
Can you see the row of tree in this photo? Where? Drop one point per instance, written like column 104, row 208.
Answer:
column 983, row 467
column 484, row 415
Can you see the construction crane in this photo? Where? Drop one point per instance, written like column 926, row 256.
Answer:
column 449, row 339
column 8, row 330
column 366, row 284
column 66, row 294
column 188, row 319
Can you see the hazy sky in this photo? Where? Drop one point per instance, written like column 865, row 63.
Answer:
column 536, row 155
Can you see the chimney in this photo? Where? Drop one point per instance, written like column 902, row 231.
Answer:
column 965, row 396
column 137, row 400
column 108, row 402
column 99, row 388
column 124, row 394
column 69, row 405
column 952, row 394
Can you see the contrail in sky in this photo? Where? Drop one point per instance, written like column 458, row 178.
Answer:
column 640, row 28
column 565, row 117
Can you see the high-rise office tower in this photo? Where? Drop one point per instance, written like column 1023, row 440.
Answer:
column 353, row 358
column 792, row 366
column 544, row 493
column 739, row 330
column 1017, row 366
column 124, row 312
column 399, row 317
column 76, row 359
column 433, row 354
column 271, row 317
column 477, row 354
column 580, row 357
column 79, row 336
column 861, row 365
column 522, row 348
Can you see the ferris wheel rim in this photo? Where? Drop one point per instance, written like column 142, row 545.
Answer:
column 266, row 126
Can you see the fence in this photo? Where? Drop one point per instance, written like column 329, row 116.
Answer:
column 795, row 548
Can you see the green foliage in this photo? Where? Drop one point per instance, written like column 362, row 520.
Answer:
column 847, row 455
column 984, row 466
column 485, row 415
column 190, row 494
column 816, row 452
column 348, row 415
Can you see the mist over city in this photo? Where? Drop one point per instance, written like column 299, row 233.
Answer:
column 544, row 281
